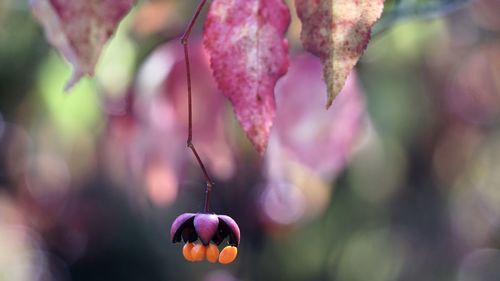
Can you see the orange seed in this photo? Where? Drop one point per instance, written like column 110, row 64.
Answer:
column 212, row 253
column 228, row 254
column 198, row 252
column 186, row 251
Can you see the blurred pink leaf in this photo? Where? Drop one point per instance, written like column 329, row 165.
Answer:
column 473, row 91
column 80, row 28
column 308, row 147
column 319, row 139
column 162, row 109
column 337, row 31
column 245, row 40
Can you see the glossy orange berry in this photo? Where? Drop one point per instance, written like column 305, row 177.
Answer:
column 186, row 251
column 198, row 252
column 228, row 254
column 212, row 253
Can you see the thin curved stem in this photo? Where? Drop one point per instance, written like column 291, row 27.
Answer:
column 185, row 43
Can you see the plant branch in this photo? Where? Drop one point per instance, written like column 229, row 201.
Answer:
column 185, row 44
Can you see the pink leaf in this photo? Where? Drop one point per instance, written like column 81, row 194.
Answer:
column 317, row 139
column 80, row 28
column 337, row 31
column 308, row 147
column 245, row 40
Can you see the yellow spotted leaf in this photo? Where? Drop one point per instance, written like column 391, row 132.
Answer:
column 337, row 31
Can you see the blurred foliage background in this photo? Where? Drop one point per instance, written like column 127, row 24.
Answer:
column 90, row 180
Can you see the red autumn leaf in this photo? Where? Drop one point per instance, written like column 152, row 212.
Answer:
column 80, row 28
column 248, row 51
column 337, row 31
